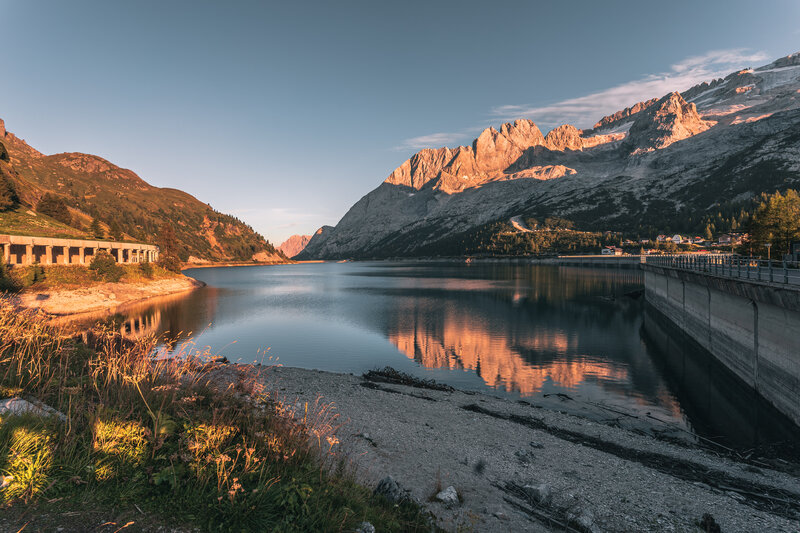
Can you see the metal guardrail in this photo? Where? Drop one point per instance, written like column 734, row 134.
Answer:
column 732, row 266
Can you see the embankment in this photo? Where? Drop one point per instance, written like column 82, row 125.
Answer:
column 104, row 297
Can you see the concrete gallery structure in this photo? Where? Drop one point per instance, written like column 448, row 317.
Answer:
column 23, row 250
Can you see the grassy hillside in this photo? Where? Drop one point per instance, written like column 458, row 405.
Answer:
column 120, row 201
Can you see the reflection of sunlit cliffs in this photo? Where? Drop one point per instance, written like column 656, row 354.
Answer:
column 462, row 342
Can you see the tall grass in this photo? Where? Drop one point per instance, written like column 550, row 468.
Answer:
column 171, row 437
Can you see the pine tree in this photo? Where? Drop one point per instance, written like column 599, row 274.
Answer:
column 777, row 222
column 8, row 193
column 54, row 207
column 168, row 244
column 116, row 232
column 96, row 230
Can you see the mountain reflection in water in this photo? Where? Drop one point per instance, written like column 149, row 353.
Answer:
column 573, row 338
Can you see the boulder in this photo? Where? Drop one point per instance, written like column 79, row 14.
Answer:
column 18, row 406
column 539, row 493
column 365, row 527
column 449, row 497
column 391, row 490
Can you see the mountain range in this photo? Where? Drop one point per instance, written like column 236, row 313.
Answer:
column 122, row 204
column 667, row 164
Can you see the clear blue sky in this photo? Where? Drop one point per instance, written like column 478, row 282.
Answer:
column 286, row 113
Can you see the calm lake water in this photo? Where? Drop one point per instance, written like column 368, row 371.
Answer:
column 565, row 337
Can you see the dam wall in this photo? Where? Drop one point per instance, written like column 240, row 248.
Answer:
column 753, row 328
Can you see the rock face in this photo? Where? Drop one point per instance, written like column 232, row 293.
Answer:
column 294, row 245
column 624, row 115
column 452, row 171
column 669, row 120
column 690, row 153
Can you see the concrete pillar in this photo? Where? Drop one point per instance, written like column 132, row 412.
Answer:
column 81, row 255
column 48, row 255
column 7, row 253
column 28, row 260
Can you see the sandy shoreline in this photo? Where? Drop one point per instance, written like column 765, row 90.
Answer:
column 105, row 297
column 590, row 475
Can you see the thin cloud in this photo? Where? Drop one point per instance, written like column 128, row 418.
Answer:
column 433, row 140
column 584, row 111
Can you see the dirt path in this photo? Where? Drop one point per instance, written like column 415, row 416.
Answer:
column 519, row 224
column 521, row 467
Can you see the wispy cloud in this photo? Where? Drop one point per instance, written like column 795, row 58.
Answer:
column 584, row 111
column 435, row 140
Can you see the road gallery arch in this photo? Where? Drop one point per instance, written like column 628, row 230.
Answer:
column 24, row 250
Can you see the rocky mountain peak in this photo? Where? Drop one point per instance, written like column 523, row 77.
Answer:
column 565, row 137
column 669, row 120
column 624, row 115
column 792, row 60
column 2, row 128
column 295, row 244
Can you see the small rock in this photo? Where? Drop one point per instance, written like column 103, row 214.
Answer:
column 448, row 496
column 541, row 493
column 17, row 406
column 365, row 527
column 583, row 518
column 524, row 457
column 390, row 489
column 708, row 524
column 500, row 515
column 5, row 481
column 536, row 445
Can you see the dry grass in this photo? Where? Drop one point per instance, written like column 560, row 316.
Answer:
column 159, row 433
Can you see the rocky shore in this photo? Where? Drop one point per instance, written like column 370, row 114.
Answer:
column 481, row 463
column 106, row 297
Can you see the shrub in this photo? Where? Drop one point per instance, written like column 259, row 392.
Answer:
column 146, row 269
column 170, row 262
column 7, row 283
column 105, row 267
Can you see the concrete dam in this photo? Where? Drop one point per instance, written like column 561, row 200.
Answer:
column 745, row 312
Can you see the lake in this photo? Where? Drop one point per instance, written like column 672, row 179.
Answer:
column 580, row 340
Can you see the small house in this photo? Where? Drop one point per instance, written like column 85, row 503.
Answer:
column 611, row 250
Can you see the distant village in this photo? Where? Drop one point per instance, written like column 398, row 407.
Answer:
column 677, row 243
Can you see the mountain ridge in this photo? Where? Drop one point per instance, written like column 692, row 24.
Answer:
column 121, row 201
column 659, row 164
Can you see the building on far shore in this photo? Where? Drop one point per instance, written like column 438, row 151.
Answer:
column 611, row 250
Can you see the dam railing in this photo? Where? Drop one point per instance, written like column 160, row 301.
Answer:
column 732, row 266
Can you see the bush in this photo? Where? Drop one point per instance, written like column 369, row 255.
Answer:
column 146, row 269
column 170, row 262
column 105, row 267
column 7, row 283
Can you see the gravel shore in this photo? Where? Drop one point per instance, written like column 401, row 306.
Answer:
column 517, row 466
